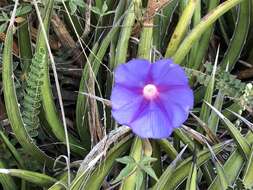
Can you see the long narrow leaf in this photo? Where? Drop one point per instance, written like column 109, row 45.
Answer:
column 182, row 171
column 241, row 141
column 233, row 166
column 248, row 174
column 12, row 106
column 197, row 31
column 94, row 181
column 5, row 180
column 33, row 177
column 239, row 37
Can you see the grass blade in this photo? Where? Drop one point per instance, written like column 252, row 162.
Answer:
column 191, row 183
column 25, row 46
column 161, row 183
column 125, row 33
column 241, row 141
column 239, row 37
column 13, row 150
column 205, row 110
column 248, row 175
column 204, row 24
column 5, row 180
column 181, row 28
column 213, row 120
column 33, row 177
column 170, row 182
column 168, row 148
column 95, row 180
column 233, row 166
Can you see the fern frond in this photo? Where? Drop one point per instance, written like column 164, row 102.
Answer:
column 31, row 102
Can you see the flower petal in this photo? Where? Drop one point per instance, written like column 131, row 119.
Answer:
column 182, row 96
column 166, row 73
column 152, row 123
column 133, row 73
column 125, row 104
column 122, row 96
column 151, row 118
column 177, row 102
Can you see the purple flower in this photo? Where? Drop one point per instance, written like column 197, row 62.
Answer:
column 152, row 99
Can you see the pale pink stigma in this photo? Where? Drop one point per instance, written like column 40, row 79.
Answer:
column 150, row 91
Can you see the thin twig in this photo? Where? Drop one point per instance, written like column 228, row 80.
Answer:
column 105, row 101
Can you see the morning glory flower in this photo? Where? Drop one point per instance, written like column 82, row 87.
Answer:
column 152, row 99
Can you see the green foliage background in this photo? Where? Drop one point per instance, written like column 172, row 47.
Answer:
column 57, row 60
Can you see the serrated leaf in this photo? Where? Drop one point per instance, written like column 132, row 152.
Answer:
column 149, row 170
column 127, row 171
column 5, row 15
column 73, row 7
column 96, row 10
column 147, row 160
column 126, row 160
column 22, row 10
column 80, row 3
column 3, row 27
column 105, row 7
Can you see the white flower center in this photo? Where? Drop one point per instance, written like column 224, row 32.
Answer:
column 150, row 91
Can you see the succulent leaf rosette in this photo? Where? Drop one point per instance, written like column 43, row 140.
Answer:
column 152, row 99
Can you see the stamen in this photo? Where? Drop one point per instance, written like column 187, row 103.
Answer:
column 150, row 91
